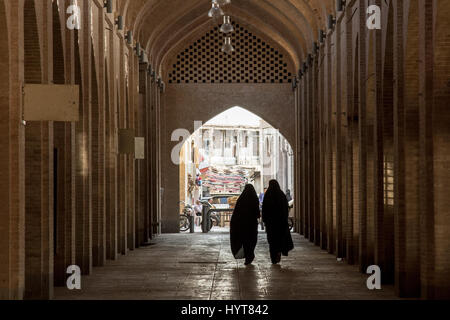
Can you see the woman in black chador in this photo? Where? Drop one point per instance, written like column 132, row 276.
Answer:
column 275, row 213
column 244, row 225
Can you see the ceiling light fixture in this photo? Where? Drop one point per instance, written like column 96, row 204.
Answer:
column 119, row 22
column 340, row 4
column 108, row 4
column 216, row 11
column 129, row 37
column 331, row 21
column 226, row 27
column 227, row 46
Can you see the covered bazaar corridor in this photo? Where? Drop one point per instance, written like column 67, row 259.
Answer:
column 97, row 96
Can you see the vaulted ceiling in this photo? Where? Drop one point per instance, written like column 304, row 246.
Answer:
column 164, row 26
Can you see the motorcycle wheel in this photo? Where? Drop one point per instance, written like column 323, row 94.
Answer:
column 184, row 223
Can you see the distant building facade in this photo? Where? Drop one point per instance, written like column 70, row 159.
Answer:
column 257, row 149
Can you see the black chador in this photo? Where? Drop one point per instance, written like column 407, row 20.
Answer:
column 275, row 213
column 244, row 225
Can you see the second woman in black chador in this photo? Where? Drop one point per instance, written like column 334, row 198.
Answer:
column 244, row 225
column 275, row 213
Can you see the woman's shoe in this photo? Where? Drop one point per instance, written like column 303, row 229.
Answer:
column 249, row 261
column 276, row 259
column 279, row 258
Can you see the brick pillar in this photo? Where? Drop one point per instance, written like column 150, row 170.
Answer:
column 98, row 169
column 38, row 157
column 160, row 128
column 297, row 162
column 441, row 149
column 132, row 91
column 122, row 165
column 338, row 143
column 60, row 157
column 143, row 179
column 306, row 154
column 304, row 143
column 329, row 144
column 370, row 147
column 349, row 79
column 427, row 217
column 406, row 144
column 12, row 169
column 111, row 103
column 322, row 147
column 152, row 148
column 377, row 201
column 316, row 150
column 70, row 164
column 434, row 148
column 362, row 120
column 84, row 145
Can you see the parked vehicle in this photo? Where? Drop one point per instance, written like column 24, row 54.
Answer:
column 185, row 222
column 214, row 217
column 291, row 220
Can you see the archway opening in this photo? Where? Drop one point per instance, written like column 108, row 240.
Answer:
column 231, row 150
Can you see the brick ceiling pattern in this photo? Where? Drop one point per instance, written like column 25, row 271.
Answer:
column 254, row 60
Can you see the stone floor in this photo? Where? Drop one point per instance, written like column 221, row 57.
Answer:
column 201, row 267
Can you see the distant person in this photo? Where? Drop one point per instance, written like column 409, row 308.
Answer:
column 215, row 217
column 198, row 211
column 261, row 197
column 275, row 213
column 244, row 225
column 288, row 195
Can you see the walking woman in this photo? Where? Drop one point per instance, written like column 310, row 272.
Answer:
column 244, row 225
column 275, row 213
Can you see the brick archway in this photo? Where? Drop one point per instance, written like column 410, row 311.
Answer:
column 185, row 104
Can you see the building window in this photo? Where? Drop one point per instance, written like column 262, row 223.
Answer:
column 268, row 147
column 388, row 181
column 227, row 140
column 256, row 144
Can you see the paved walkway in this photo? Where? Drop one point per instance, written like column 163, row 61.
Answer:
column 201, row 266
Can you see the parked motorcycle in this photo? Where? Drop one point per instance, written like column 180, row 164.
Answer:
column 185, row 222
